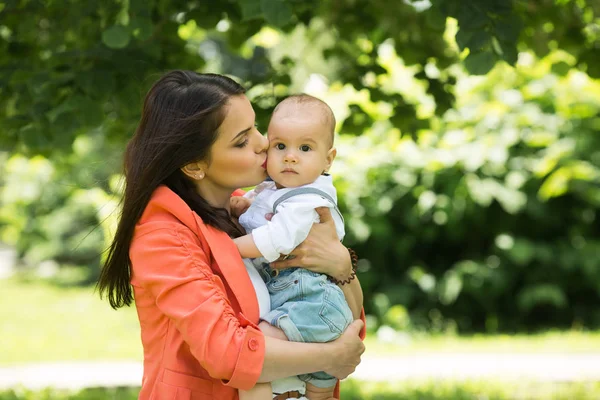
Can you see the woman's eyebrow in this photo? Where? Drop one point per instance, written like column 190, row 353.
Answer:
column 241, row 133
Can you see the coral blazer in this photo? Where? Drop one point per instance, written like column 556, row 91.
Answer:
column 196, row 306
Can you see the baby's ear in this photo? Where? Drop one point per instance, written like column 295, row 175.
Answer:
column 330, row 157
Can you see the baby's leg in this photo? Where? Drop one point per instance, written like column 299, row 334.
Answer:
column 317, row 393
column 312, row 392
column 260, row 391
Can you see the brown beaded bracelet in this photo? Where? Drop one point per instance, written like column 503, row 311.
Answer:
column 354, row 260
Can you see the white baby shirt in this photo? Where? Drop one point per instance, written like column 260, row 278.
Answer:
column 293, row 220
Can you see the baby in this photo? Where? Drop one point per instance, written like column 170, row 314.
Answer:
column 305, row 306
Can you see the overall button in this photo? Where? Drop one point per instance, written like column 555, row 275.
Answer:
column 274, row 273
column 253, row 344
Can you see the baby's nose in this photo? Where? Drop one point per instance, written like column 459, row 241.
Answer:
column 290, row 157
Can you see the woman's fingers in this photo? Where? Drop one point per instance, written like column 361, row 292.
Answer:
column 349, row 350
column 355, row 327
column 291, row 260
column 324, row 214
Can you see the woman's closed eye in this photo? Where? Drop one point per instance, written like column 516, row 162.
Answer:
column 243, row 143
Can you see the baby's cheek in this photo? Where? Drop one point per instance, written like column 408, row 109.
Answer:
column 271, row 164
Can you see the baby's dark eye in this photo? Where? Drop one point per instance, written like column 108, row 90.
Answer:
column 305, row 147
column 280, row 146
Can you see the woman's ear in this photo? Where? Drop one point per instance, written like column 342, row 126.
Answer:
column 194, row 170
column 330, row 157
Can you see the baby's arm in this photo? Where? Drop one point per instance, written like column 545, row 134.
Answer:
column 286, row 230
column 247, row 247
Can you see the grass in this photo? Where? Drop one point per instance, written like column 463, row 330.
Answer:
column 547, row 342
column 44, row 322
column 48, row 322
column 353, row 390
column 478, row 390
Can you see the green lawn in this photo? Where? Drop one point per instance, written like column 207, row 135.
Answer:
column 44, row 322
column 353, row 390
column 548, row 342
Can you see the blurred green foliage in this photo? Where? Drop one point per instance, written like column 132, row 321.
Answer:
column 61, row 209
column 489, row 222
column 64, row 70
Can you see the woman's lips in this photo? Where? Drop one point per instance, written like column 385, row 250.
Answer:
column 264, row 165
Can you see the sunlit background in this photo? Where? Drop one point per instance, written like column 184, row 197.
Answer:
column 468, row 172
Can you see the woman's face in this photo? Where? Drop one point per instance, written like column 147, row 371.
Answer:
column 238, row 156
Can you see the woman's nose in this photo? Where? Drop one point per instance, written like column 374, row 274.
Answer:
column 263, row 143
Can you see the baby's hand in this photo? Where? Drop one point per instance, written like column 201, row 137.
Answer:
column 239, row 205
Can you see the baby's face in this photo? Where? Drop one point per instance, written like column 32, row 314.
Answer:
column 299, row 150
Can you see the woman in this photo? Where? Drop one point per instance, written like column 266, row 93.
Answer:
column 197, row 304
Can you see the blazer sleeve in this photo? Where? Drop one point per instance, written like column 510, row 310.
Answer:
column 173, row 267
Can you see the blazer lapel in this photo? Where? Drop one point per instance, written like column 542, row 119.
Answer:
column 229, row 262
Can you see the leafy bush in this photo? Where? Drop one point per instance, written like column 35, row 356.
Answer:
column 490, row 221
column 52, row 210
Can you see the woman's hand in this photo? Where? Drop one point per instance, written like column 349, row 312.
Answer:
column 347, row 351
column 321, row 252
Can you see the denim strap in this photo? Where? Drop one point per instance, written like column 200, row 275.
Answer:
column 307, row 190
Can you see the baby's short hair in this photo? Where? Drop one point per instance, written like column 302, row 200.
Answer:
column 293, row 104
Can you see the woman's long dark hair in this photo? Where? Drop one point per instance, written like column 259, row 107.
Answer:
column 180, row 118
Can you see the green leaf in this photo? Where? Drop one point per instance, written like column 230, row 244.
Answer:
column 470, row 17
column 208, row 20
column 541, row 294
column 474, row 40
column 462, row 38
column 560, row 68
column 65, row 106
column 480, row 63
column 63, row 131
column 506, row 50
column 142, row 28
column 276, row 12
column 90, row 111
column 509, row 53
column 250, row 9
column 434, row 19
column 479, row 41
column 500, row 6
column 116, row 37
column 33, row 136
column 96, row 83
column 450, row 287
column 508, row 29
column 522, row 252
column 592, row 61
